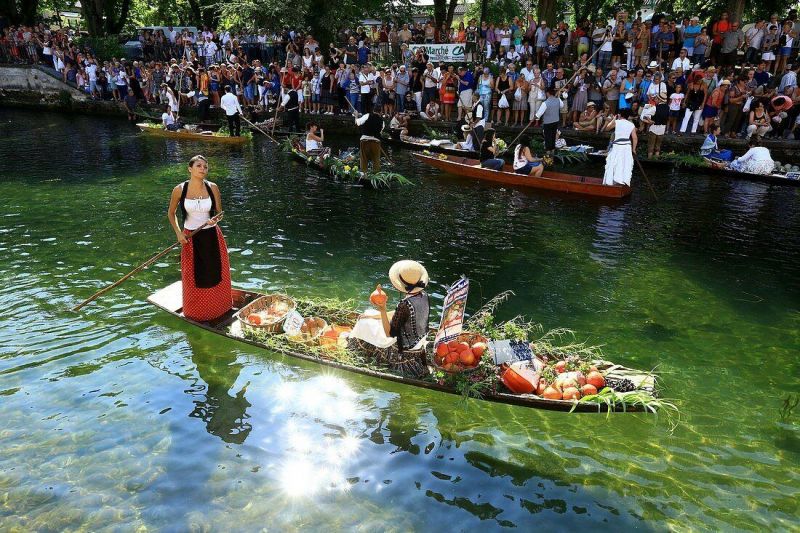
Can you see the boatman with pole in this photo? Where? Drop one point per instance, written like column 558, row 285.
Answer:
column 371, row 126
column 619, row 162
column 233, row 112
column 550, row 114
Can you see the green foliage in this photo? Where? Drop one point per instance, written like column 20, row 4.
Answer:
column 104, row 48
column 498, row 11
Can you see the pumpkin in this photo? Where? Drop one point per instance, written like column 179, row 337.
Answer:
column 378, row 297
column 452, row 346
column 442, row 349
column 572, row 393
column 551, row 393
column 561, row 367
column 463, row 346
column 596, row 379
column 479, row 348
column 467, row 358
column 254, row 319
column 588, row 389
column 541, row 387
column 451, row 357
column 515, row 382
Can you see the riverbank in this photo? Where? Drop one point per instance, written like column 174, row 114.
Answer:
column 35, row 88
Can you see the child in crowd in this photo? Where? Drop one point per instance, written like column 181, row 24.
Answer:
column 675, row 106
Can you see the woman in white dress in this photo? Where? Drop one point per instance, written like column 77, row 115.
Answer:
column 619, row 162
column 757, row 160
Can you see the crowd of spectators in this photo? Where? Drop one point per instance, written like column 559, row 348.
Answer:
column 706, row 74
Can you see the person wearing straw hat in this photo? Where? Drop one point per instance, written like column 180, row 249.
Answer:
column 468, row 142
column 409, row 322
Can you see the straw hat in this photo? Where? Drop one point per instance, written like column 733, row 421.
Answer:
column 408, row 276
column 724, row 82
column 465, row 127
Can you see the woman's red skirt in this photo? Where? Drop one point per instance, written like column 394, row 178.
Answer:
column 205, row 303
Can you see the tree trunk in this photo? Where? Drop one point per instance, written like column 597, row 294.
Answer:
column 114, row 25
column 443, row 11
column 546, row 10
column 196, row 13
column 93, row 14
column 9, row 7
column 735, row 9
column 28, row 9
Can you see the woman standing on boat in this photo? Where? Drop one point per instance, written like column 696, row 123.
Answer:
column 205, row 270
column 619, row 162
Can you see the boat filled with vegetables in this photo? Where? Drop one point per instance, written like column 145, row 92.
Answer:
column 512, row 362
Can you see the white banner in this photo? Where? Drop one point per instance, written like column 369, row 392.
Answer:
column 448, row 53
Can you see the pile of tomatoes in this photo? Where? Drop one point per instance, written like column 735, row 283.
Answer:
column 456, row 355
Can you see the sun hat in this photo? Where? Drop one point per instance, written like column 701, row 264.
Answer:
column 591, row 104
column 465, row 127
column 408, row 276
column 724, row 82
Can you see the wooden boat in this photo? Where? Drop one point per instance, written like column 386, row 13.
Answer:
column 158, row 131
column 170, row 300
column 552, row 181
column 417, row 143
column 791, row 178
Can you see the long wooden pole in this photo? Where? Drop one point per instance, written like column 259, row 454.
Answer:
column 568, row 82
column 641, row 169
column 147, row 263
column 270, row 137
column 277, row 106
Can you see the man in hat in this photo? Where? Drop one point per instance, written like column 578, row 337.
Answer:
column 690, row 32
column 587, row 120
column 291, row 104
column 371, row 125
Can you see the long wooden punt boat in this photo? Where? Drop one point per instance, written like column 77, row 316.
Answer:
column 158, row 131
column 792, row 179
column 552, row 181
column 170, row 300
column 417, row 143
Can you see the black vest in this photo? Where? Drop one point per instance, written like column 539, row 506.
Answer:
column 373, row 126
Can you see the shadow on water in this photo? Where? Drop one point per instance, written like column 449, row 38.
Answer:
column 225, row 414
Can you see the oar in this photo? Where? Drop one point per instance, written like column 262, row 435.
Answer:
column 379, row 143
column 270, row 137
column 147, row 263
column 277, row 106
column 577, row 70
column 641, row 169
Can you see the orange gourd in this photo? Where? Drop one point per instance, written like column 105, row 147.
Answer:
column 378, row 297
column 515, row 382
column 588, row 389
column 551, row 393
column 596, row 379
column 572, row 393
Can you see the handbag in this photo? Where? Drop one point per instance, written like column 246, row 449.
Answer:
column 503, row 103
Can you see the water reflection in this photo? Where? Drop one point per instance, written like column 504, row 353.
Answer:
column 609, row 231
column 225, row 414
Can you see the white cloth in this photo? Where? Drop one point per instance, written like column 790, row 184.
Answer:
column 198, row 212
column 619, row 162
column 757, row 160
column 230, row 104
column 370, row 329
column 312, row 144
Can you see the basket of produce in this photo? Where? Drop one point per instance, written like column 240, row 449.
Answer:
column 310, row 331
column 461, row 354
column 266, row 313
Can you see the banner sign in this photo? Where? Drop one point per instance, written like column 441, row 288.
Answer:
column 455, row 303
column 447, row 53
column 510, row 351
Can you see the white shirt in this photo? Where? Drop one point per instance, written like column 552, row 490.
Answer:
column 167, row 119
column 527, row 74
column 681, row 63
column 366, row 81
column 211, row 48
column 657, row 89
column 91, row 71
column 430, row 83
column 360, row 122
column 543, row 108
column 230, row 104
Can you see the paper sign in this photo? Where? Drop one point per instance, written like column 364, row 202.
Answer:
column 293, row 323
column 455, row 303
column 509, row 351
column 793, row 175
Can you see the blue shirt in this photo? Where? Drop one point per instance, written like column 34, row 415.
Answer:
column 363, row 55
column 689, row 33
column 469, row 79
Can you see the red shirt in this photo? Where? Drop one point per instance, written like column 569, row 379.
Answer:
column 720, row 27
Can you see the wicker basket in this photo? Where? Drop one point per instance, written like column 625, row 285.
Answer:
column 412, row 363
column 468, row 337
column 305, row 338
column 259, row 304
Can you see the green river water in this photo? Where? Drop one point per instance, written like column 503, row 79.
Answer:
column 122, row 417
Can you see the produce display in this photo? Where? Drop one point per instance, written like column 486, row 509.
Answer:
column 275, row 312
column 460, row 354
column 564, row 379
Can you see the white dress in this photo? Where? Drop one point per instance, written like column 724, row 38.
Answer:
column 757, row 160
column 619, row 162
